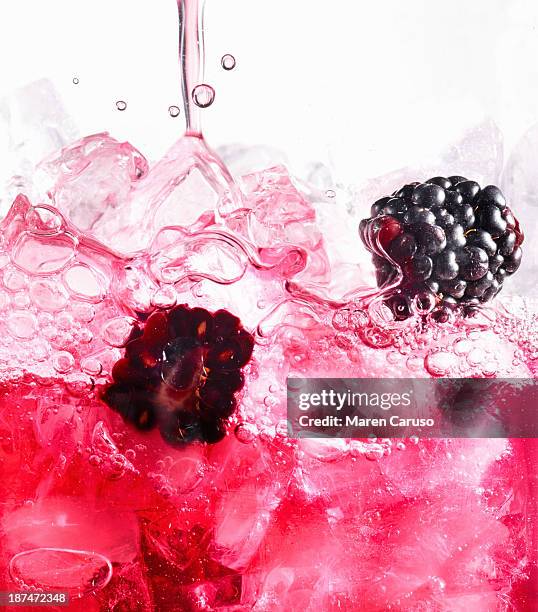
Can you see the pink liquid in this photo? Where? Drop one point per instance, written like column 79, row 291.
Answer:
column 123, row 520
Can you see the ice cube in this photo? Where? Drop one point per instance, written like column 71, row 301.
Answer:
column 243, row 159
column 90, row 182
column 34, row 123
column 519, row 186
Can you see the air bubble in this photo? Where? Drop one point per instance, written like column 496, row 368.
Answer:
column 65, row 321
column 270, row 401
column 40, row 350
column 84, row 283
column 490, row 369
column 393, row 357
column 21, row 300
column 14, row 280
column 79, row 384
column 173, row 111
column 63, row 362
column 42, row 254
column 48, row 295
column 476, row 356
column 121, row 105
column 228, row 61
column 95, row 460
column 84, row 335
column 130, row 454
column 281, row 428
column 203, row 95
column 75, row 81
column 85, row 313
column 341, row 319
column 330, row 193
column 116, row 331
column 91, row 366
column 22, row 324
column 61, row 569
column 245, row 433
column 440, row 363
column 462, row 347
column 415, row 363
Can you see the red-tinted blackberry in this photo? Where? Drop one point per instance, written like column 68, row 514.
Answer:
column 452, row 242
column 180, row 373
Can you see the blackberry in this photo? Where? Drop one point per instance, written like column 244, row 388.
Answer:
column 452, row 242
column 180, row 373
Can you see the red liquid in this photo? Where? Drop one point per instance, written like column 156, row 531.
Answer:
column 123, row 520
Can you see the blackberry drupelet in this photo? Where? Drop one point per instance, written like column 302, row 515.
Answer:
column 181, row 373
column 453, row 242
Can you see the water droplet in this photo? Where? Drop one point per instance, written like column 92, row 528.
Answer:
column 330, row 193
column 75, row 81
column 228, row 62
column 424, row 302
column 121, row 105
column 203, row 95
column 173, row 111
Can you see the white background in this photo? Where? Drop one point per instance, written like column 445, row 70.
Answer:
column 367, row 86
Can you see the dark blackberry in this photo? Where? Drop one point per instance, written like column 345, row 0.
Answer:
column 180, row 373
column 449, row 239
